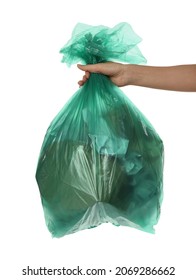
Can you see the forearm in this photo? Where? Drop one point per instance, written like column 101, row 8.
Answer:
column 177, row 78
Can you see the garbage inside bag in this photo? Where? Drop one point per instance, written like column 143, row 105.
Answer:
column 101, row 160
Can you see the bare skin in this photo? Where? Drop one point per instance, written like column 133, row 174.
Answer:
column 176, row 78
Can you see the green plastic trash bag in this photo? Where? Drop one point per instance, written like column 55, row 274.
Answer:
column 101, row 160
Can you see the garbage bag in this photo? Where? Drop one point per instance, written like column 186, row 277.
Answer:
column 101, row 159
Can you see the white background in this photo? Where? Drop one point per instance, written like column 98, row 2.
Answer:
column 34, row 85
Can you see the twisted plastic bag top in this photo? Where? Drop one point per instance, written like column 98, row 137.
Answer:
column 94, row 44
column 101, row 160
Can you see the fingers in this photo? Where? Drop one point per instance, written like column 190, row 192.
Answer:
column 80, row 83
column 84, row 79
column 87, row 74
column 90, row 68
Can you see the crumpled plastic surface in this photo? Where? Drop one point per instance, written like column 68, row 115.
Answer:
column 101, row 160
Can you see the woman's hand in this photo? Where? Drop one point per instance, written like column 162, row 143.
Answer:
column 115, row 71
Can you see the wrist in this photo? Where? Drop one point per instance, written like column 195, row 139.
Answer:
column 132, row 74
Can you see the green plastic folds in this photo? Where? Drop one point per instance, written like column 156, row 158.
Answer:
column 101, row 160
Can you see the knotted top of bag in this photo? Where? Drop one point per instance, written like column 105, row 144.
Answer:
column 94, row 44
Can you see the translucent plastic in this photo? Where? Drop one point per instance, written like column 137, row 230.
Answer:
column 101, row 160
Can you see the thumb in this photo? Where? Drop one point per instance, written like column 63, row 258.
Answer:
column 89, row 68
